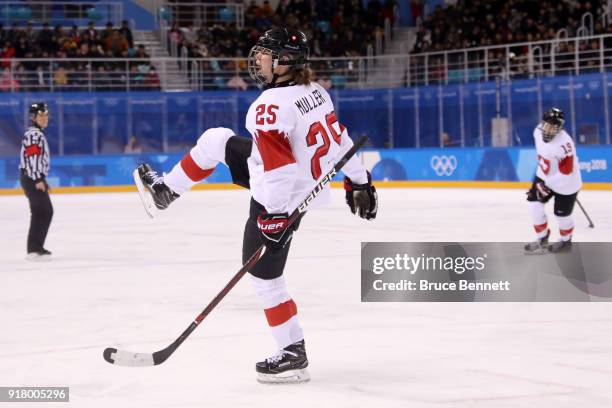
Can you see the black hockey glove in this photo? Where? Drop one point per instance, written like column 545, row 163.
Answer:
column 362, row 198
column 540, row 192
column 274, row 230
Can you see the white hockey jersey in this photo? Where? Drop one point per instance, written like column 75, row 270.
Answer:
column 558, row 163
column 297, row 138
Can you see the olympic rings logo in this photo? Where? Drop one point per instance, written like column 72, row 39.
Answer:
column 443, row 165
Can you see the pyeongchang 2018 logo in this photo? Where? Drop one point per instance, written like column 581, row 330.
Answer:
column 443, row 165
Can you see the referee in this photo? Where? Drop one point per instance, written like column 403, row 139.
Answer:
column 34, row 168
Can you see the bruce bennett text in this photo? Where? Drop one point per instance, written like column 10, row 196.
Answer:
column 423, row 285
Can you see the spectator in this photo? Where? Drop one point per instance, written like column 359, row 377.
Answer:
column 41, row 83
column 136, row 79
column 14, row 34
column 266, row 9
column 151, row 80
column 175, row 33
column 132, row 147
column 252, row 13
column 21, row 48
column 127, row 33
column 23, row 78
column 7, row 82
column 29, row 33
column 8, row 53
column 45, row 38
column 325, row 82
column 589, row 56
column 91, row 31
column 107, row 32
column 60, row 79
column 189, row 34
column 117, row 45
column 141, row 56
column 416, row 11
column 388, row 11
column 102, row 82
column 237, row 82
column 282, row 10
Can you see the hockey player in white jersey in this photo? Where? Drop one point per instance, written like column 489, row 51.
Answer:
column 558, row 176
column 295, row 138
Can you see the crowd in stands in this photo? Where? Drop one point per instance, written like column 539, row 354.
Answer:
column 336, row 28
column 95, row 49
column 481, row 23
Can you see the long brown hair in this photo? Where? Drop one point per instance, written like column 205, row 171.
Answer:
column 304, row 76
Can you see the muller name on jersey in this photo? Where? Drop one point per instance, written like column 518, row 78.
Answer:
column 309, row 102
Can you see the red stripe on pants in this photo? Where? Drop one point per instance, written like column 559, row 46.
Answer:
column 279, row 314
column 566, row 231
column 541, row 227
column 192, row 170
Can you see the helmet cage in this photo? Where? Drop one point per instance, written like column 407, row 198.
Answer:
column 552, row 123
column 256, row 69
column 549, row 131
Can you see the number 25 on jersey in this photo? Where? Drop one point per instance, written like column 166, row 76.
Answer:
column 263, row 115
column 319, row 128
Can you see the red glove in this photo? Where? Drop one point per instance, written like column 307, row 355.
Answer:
column 274, row 229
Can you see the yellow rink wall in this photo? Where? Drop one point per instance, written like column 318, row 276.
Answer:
column 378, row 184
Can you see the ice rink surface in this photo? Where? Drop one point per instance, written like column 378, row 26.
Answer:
column 121, row 279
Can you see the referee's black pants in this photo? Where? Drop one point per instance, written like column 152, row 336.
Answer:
column 41, row 213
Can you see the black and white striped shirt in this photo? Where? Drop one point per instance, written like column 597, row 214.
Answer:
column 34, row 154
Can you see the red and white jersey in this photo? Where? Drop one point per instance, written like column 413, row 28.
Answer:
column 297, row 138
column 558, row 163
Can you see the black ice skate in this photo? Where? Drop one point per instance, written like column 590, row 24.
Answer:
column 538, row 247
column 560, row 247
column 41, row 256
column 286, row 366
column 152, row 189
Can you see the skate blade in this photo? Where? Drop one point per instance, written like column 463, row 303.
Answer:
column 145, row 196
column 542, row 250
column 38, row 258
column 287, row 377
column 564, row 250
column 537, row 252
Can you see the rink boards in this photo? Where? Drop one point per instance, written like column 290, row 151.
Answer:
column 444, row 167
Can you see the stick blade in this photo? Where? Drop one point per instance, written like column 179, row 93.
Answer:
column 145, row 196
column 128, row 358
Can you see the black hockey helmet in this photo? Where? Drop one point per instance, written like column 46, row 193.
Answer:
column 286, row 46
column 36, row 108
column 552, row 123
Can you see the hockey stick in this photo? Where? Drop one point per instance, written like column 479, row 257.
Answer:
column 128, row 358
column 591, row 225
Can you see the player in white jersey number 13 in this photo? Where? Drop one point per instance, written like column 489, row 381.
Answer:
column 558, row 176
column 295, row 138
